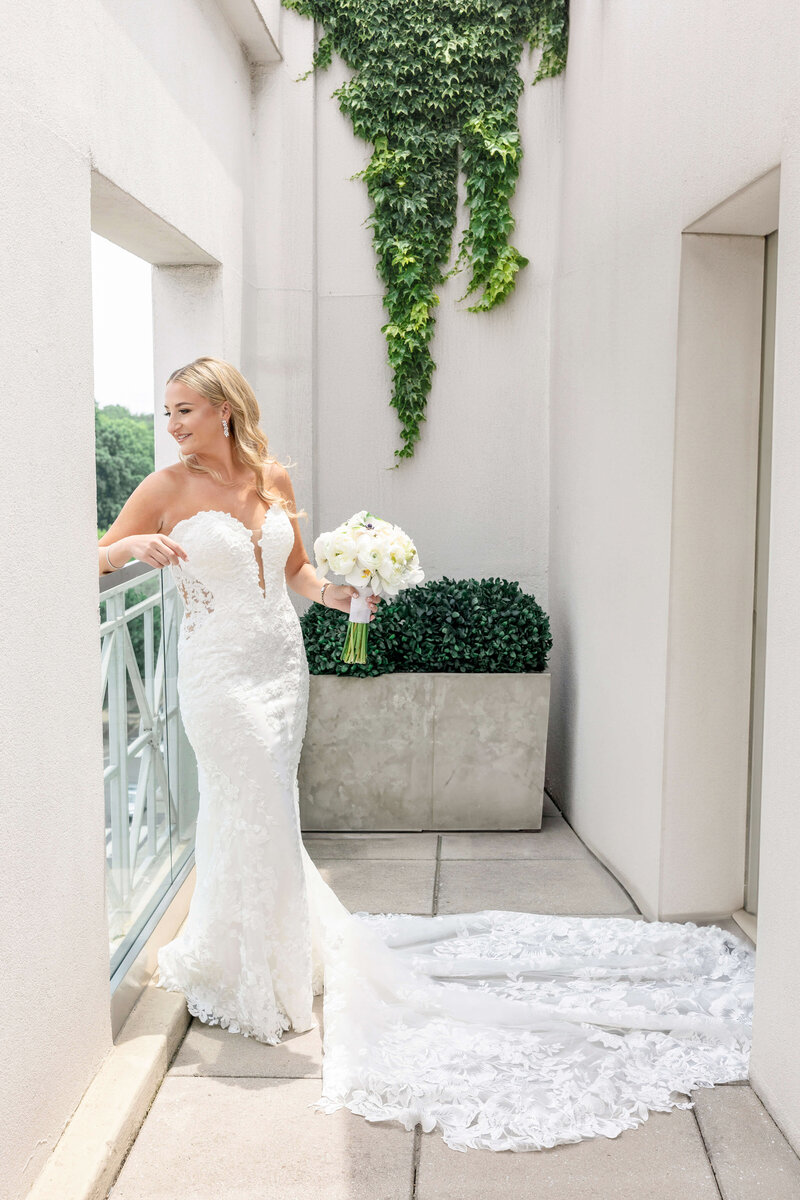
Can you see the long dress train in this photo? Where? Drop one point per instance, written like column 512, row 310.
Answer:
column 503, row 1030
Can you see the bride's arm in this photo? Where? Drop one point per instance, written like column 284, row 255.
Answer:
column 134, row 533
column 301, row 576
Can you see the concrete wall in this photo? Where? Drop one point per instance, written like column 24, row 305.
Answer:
column 156, row 99
column 668, row 110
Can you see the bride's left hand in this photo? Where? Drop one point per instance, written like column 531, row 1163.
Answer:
column 339, row 595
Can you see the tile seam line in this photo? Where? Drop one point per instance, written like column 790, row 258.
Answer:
column 707, row 1153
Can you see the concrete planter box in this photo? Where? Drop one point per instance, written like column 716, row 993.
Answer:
column 425, row 751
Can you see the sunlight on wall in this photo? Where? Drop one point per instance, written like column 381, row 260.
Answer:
column 122, row 312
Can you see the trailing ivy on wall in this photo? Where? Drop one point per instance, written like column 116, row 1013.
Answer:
column 432, row 78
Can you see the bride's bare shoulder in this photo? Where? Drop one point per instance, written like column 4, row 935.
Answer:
column 160, row 487
column 164, row 489
column 278, row 479
column 165, row 479
column 145, row 509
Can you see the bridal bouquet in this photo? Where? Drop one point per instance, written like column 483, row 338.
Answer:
column 374, row 556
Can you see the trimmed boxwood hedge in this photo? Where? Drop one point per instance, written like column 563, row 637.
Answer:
column 442, row 625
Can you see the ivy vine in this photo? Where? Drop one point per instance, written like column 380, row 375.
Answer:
column 436, row 90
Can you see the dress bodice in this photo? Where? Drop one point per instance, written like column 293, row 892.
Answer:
column 221, row 574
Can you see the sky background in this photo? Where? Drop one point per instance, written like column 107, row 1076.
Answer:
column 122, row 311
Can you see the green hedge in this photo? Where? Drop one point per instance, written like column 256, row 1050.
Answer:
column 442, row 625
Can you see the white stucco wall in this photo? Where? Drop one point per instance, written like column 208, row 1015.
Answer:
column 158, row 100
column 668, row 109
column 278, row 356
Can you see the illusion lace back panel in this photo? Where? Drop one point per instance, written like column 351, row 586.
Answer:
column 504, row 1030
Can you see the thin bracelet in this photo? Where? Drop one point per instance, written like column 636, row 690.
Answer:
column 108, row 560
column 326, row 584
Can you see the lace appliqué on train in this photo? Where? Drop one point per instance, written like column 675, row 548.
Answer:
column 518, row 1031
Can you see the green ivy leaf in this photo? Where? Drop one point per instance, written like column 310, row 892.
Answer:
column 435, row 92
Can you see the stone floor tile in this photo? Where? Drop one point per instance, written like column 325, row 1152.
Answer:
column 372, row 885
column 750, row 1156
column 211, row 1050
column 554, row 840
column 371, row 845
column 564, row 886
column 629, row 916
column 257, row 1139
column 662, row 1159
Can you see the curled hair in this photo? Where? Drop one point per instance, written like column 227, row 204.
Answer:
column 218, row 381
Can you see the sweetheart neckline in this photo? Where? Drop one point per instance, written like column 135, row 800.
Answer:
column 241, row 525
column 222, row 513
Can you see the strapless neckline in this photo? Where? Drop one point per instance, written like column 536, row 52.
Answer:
column 220, row 513
column 256, row 558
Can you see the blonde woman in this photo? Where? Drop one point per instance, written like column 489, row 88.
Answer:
column 504, row 1030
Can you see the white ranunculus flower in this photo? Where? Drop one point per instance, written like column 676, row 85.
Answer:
column 321, row 552
column 391, row 572
column 342, row 552
column 394, row 562
column 370, row 551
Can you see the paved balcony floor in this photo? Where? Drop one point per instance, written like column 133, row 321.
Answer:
column 231, row 1120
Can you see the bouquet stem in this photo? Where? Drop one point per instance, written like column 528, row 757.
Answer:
column 355, row 646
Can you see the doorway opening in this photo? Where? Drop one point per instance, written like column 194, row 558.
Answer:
column 718, row 559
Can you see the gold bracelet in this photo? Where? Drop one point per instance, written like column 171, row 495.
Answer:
column 325, row 585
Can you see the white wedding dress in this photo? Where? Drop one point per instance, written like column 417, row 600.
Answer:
column 504, row 1030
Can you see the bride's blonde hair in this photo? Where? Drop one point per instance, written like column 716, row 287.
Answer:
column 218, row 381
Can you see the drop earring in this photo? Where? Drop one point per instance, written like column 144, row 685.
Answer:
column 225, row 427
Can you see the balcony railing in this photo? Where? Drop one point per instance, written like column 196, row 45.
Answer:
column 150, row 770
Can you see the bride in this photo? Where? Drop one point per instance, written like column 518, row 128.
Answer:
column 504, row 1030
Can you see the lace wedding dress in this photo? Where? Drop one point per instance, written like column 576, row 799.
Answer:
column 505, row 1030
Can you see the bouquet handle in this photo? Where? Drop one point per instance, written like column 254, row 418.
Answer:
column 360, row 611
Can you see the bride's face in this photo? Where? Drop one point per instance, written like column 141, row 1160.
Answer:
column 193, row 421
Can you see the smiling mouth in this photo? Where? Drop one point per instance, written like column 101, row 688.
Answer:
column 183, row 437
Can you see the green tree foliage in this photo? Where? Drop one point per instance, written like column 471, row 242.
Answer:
column 124, row 455
column 436, row 90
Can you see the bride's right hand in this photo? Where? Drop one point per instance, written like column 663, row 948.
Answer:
column 156, row 549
